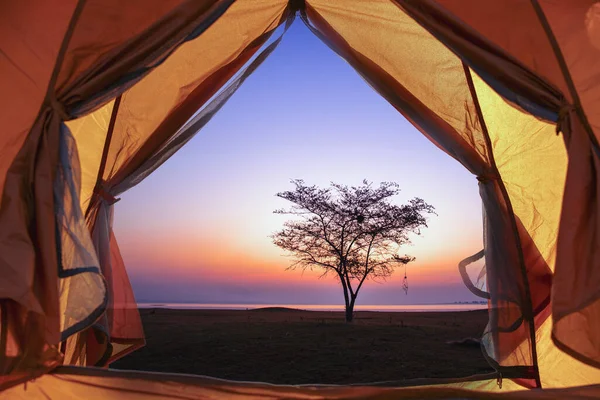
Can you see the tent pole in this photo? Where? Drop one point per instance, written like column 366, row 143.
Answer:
column 528, row 306
column 565, row 71
column 109, row 133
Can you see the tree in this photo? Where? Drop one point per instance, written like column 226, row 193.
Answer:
column 352, row 232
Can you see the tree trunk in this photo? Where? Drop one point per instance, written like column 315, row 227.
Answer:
column 346, row 299
column 349, row 313
column 350, row 309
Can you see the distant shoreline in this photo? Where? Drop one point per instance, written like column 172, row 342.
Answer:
column 449, row 307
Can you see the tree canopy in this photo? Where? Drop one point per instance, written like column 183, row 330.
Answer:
column 352, row 232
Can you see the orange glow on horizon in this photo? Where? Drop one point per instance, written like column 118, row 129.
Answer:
column 219, row 259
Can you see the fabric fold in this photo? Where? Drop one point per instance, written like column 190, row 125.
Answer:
column 551, row 92
column 28, row 219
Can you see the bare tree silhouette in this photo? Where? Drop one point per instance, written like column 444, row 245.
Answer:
column 353, row 232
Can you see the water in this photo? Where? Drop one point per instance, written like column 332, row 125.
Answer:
column 322, row 307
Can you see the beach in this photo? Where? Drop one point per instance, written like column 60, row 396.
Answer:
column 289, row 346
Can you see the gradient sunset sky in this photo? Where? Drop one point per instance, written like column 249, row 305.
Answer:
column 197, row 229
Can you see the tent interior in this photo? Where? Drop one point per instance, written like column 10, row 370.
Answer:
column 96, row 95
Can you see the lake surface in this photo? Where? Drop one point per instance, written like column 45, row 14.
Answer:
column 322, row 307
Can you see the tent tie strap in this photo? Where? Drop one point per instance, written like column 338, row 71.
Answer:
column 499, row 380
column 59, row 108
column 486, row 178
column 512, row 372
column 105, row 195
column 563, row 121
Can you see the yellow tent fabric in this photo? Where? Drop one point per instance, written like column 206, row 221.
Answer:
column 93, row 383
column 509, row 88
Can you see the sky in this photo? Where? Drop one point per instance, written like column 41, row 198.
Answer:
column 197, row 229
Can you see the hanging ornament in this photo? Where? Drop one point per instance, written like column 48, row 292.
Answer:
column 405, row 282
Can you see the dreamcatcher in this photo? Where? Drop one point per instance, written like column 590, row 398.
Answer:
column 405, row 281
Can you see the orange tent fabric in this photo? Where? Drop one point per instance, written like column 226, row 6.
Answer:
column 490, row 83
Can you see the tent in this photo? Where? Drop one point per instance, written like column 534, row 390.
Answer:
column 97, row 94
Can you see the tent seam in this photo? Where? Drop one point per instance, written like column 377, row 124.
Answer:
column 50, row 93
column 488, row 46
column 528, row 303
column 184, row 378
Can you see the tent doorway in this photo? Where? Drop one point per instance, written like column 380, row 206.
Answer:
column 303, row 113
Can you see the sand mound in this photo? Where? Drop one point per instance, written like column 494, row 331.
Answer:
column 277, row 309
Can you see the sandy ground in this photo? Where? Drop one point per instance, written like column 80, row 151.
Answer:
column 293, row 346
